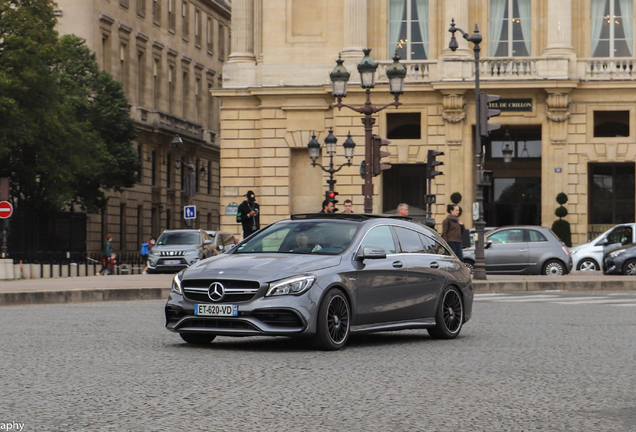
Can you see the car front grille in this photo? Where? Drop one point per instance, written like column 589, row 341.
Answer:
column 215, row 323
column 236, row 291
column 172, row 253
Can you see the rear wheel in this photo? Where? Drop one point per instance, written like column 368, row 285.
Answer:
column 197, row 339
column 334, row 316
column 554, row 268
column 449, row 318
column 629, row 268
column 588, row 264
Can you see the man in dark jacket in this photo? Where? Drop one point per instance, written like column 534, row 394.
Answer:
column 248, row 215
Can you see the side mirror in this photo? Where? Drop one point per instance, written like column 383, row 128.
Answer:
column 487, row 245
column 207, row 242
column 371, row 252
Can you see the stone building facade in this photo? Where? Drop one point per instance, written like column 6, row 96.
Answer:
column 564, row 70
column 168, row 54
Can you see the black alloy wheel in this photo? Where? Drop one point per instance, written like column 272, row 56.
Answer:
column 197, row 339
column 334, row 316
column 449, row 318
column 629, row 268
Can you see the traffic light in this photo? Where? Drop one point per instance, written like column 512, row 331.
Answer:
column 485, row 113
column 331, row 196
column 431, row 163
column 378, row 166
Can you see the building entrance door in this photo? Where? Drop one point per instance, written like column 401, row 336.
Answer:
column 514, row 198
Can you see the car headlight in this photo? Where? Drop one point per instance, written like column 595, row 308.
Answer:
column 616, row 253
column 574, row 251
column 295, row 286
column 176, row 283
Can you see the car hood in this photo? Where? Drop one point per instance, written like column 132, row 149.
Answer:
column 262, row 267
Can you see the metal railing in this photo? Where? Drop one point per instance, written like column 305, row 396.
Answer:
column 594, row 230
column 127, row 263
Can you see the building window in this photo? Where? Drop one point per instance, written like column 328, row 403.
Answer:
column 123, row 66
column 509, row 28
column 124, row 3
column 168, row 218
column 105, row 52
column 141, row 77
column 171, row 86
column 141, row 8
column 611, row 124
column 153, row 167
column 156, row 79
column 196, row 175
column 408, row 29
column 209, row 37
column 168, row 171
column 197, row 103
column 156, row 12
column 221, row 42
column 611, row 193
column 139, row 173
column 172, row 16
column 122, row 228
column 140, row 224
column 612, row 28
column 403, row 125
column 186, row 93
column 209, row 178
column 186, row 20
column 197, row 28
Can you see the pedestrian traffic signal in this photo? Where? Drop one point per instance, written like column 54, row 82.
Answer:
column 331, row 196
column 431, row 163
column 485, row 113
column 378, row 166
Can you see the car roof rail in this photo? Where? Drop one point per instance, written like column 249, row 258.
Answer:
column 346, row 216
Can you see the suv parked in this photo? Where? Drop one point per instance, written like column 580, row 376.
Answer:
column 589, row 256
column 179, row 249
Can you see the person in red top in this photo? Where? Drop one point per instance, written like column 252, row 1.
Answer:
column 112, row 262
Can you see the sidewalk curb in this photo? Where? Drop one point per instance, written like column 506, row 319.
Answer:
column 520, row 286
column 82, row 296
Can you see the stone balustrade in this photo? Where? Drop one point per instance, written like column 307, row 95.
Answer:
column 607, row 68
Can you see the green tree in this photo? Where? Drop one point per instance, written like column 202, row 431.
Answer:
column 65, row 133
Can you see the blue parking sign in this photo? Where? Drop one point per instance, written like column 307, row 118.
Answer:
column 190, row 212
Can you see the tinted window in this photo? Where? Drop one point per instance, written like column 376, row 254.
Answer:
column 507, row 236
column 620, row 235
column 179, row 238
column 433, row 247
column 409, row 240
column 380, row 237
column 536, row 236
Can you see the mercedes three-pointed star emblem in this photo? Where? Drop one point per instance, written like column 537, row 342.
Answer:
column 216, row 292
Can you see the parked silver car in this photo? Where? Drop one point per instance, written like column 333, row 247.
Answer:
column 589, row 256
column 523, row 250
column 179, row 249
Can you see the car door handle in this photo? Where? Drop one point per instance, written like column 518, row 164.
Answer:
column 523, row 250
column 434, row 265
column 397, row 264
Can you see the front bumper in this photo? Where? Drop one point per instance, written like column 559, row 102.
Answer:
column 262, row 316
column 612, row 266
column 160, row 264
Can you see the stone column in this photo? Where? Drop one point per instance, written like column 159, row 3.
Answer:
column 355, row 28
column 559, row 28
column 242, row 31
column 457, row 10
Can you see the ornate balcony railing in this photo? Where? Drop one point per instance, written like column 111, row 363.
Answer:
column 416, row 70
column 607, row 68
column 509, row 68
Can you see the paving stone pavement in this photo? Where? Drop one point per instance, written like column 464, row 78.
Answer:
column 517, row 366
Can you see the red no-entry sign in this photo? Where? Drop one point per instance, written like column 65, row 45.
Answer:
column 6, row 209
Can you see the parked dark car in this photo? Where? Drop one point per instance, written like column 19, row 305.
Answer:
column 324, row 277
column 523, row 250
column 620, row 261
column 179, row 249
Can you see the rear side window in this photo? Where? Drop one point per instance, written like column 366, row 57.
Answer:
column 507, row 236
column 536, row 236
column 380, row 237
column 409, row 240
column 433, row 247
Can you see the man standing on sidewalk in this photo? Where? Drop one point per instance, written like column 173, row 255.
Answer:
column 248, row 215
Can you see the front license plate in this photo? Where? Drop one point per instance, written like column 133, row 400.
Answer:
column 215, row 310
column 171, row 262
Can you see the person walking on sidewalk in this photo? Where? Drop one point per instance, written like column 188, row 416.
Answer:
column 452, row 229
column 146, row 247
column 106, row 252
column 248, row 216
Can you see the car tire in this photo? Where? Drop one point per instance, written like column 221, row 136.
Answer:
column 197, row 339
column 470, row 265
column 449, row 317
column 629, row 268
column 334, row 319
column 554, row 268
column 588, row 264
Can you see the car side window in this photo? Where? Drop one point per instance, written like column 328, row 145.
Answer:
column 380, row 237
column 616, row 235
column 536, row 236
column 433, row 247
column 409, row 240
column 507, row 236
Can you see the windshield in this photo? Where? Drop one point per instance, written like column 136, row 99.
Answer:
column 306, row 237
column 179, row 238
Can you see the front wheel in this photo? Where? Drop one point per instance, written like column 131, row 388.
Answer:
column 588, row 264
column 629, row 268
column 554, row 268
column 334, row 316
column 449, row 318
column 197, row 339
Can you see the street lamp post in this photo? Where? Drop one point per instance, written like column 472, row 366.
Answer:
column 480, row 224
column 190, row 180
column 367, row 67
column 330, row 146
